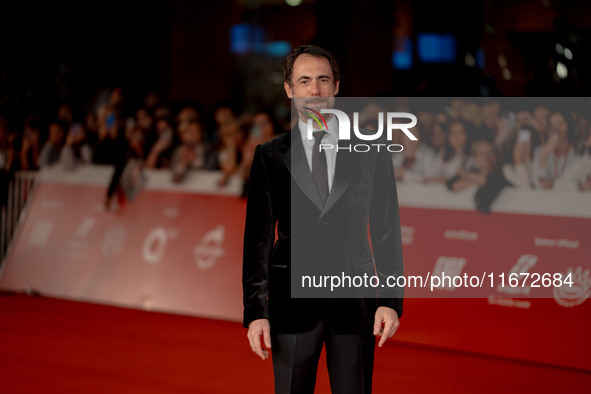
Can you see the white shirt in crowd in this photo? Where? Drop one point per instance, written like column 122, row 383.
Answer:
column 447, row 169
column 575, row 175
column 554, row 167
column 422, row 166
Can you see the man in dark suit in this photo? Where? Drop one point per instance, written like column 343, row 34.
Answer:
column 320, row 203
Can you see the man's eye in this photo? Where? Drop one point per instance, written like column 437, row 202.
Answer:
column 324, row 80
column 303, row 82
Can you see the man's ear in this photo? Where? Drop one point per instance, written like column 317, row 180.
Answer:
column 288, row 90
column 336, row 88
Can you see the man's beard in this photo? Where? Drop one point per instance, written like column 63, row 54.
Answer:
column 314, row 103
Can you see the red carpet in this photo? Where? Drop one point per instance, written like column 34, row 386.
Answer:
column 56, row 346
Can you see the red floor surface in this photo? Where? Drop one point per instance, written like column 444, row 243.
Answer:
column 56, row 346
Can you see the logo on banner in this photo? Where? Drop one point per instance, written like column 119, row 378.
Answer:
column 451, row 266
column 155, row 244
column 113, row 241
column 407, row 234
column 40, row 234
column 569, row 296
column 210, row 248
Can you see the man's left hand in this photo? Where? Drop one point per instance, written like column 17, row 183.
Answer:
column 386, row 323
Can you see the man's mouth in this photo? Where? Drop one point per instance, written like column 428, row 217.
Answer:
column 316, row 103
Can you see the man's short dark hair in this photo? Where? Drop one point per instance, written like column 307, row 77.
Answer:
column 311, row 50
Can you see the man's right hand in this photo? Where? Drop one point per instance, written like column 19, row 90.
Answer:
column 255, row 329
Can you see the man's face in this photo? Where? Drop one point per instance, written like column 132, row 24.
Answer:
column 557, row 125
column 312, row 83
column 484, row 157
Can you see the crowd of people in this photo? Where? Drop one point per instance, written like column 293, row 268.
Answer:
column 491, row 144
column 154, row 136
column 495, row 143
column 462, row 143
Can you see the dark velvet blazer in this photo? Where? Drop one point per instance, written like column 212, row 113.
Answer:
column 319, row 240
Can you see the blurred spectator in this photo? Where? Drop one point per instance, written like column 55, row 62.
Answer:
column 223, row 115
column 482, row 170
column 582, row 124
column 6, row 156
column 414, row 163
column 264, row 127
column 481, row 164
column 110, row 145
column 578, row 175
column 452, row 157
column 116, row 100
column 76, row 149
column 4, row 144
column 65, row 113
column 161, row 151
column 504, row 131
column 192, row 153
column 143, row 119
column 91, row 128
column 162, row 111
column 31, row 145
column 541, row 114
column 523, row 118
column 491, row 114
column 557, row 154
column 188, row 113
column 455, row 108
column 426, row 120
column 438, row 136
column 151, row 101
column 471, row 113
column 227, row 152
column 50, row 153
column 518, row 172
column 128, row 179
column 11, row 151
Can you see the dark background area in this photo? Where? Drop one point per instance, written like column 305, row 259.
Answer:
column 182, row 49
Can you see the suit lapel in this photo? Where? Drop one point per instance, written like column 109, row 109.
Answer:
column 295, row 159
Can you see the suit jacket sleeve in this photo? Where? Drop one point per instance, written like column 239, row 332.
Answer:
column 384, row 224
column 259, row 235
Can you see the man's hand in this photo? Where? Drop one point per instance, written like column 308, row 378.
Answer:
column 386, row 323
column 257, row 328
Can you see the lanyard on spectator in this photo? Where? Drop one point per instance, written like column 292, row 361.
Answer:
column 563, row 164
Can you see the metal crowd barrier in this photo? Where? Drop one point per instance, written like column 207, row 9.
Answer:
column 19, row 188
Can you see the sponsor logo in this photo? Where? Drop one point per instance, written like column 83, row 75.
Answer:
column 40, row 234
column 461, row 234
column 210, row 248
column 407, row 234
column 113, row 241
column 450, row 266
column 556, row 243
column 569, row 296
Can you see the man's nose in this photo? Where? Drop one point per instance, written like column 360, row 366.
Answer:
column 315, row 88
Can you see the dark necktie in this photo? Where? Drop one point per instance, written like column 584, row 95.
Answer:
column 319, row 167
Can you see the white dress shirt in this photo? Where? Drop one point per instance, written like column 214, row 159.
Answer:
column 332, row 137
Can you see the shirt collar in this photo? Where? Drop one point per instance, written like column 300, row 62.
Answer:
column 333, row 130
